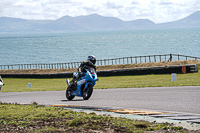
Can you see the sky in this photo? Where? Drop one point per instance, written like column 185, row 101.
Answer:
column 158, row 11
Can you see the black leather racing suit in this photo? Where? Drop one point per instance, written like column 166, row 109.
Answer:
column 82, row 68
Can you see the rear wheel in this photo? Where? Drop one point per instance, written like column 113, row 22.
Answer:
column 69, row 95
column 87, row 92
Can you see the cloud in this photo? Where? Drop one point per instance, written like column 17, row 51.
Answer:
column 162, row 10
column 155, row 10
column 4, row 6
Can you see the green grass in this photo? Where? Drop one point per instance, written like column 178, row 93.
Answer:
column 34, row 118
column 21, row 84
column 149, row 81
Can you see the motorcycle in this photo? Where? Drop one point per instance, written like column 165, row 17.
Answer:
column 84, row 85
column 1, row 83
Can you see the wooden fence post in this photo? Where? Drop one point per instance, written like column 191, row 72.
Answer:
column 160, row 58
column 136, row 60
column 170, row 57
column 131, row 60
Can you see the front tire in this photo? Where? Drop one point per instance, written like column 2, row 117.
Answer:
column 69, row 95
column 87, row 92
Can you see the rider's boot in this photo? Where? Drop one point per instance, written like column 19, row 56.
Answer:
column 69, row 83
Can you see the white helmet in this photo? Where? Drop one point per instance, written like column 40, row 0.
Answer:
column 92, row 59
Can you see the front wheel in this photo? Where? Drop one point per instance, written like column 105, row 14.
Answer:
column 69, row 95
column 87, row 92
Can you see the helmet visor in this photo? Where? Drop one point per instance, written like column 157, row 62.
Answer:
column 91, row 57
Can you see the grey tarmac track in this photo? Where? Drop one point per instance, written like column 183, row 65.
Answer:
column 180, row 99
column 182, row 103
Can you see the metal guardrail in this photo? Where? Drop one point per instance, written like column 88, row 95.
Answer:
column 114, row 61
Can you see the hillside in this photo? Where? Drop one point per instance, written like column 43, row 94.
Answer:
column 92, row 22
column 192, row 20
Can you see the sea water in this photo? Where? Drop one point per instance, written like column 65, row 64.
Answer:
column 75, row 47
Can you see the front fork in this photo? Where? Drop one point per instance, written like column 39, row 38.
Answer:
column 74, row 87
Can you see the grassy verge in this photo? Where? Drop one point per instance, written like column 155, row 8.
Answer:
column 21, row 85
column 34, row 118
column 149, row 81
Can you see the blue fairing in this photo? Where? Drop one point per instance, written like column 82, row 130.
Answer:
column 89, row 78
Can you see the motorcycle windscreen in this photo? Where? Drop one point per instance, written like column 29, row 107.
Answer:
column 92, row 70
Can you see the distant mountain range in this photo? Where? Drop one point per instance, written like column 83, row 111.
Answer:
column 92, row 22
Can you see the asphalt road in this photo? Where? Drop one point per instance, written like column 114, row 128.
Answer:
column 178, row 99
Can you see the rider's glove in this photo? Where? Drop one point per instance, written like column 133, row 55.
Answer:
column 79, row 70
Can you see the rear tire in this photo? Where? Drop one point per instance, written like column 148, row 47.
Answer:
column 87, row 92
column 69, row 95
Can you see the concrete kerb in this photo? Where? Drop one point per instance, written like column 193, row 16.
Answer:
column 110, row 111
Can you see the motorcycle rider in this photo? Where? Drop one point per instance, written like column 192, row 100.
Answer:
column 89, row 63
column 1, row 80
